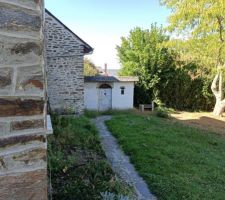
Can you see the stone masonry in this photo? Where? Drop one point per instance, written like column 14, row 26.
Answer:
column 23, row 165
column 64, row 56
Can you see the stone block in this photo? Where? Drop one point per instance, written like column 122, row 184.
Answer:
column 23, row 160
column 24, row 186
column 17, row 20
column 19, row 107
column 18, row 51
column 31, row 4
column 25, row 48
column 5, row 80
column 4, row 128
column 27, row 124
column 5, row 77
column 30, row 80
column 31, row 156
column 22, row 139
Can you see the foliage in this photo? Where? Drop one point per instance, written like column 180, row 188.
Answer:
column 89, row 68
column 77, row 164
column 200, row 24
column 163, row 77
column 188, row 90
column 91, row 113
column 177, row 161
column 161, row 112
column 142, row 55
column 201, row 29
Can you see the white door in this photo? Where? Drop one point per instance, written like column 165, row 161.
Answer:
column 105, row 99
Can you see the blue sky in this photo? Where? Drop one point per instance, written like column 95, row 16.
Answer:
column 102, row 23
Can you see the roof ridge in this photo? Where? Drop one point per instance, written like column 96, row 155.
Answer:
column 111, row 79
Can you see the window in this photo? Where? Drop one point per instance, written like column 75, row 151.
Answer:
column 122, row 90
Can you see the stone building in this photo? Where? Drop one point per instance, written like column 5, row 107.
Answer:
column 23, row 156
column 64, row 63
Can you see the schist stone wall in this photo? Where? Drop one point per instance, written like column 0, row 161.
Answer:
column 23, row 165
column 64, row 56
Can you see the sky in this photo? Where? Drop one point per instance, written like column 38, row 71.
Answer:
column 102, row 23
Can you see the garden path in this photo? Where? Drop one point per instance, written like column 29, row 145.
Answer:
column 120, row 162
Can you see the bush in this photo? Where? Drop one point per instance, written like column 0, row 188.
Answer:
column 161, row 112
column 180, row 90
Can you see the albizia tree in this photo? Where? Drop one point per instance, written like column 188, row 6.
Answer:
column 200, row 28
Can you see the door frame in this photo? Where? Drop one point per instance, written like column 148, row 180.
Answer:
column 104, row 86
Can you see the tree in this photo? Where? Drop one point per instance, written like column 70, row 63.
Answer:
column 142, row 55
column 89, row 68
column 201, row 25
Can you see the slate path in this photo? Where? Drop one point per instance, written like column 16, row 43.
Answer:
column 120, row 162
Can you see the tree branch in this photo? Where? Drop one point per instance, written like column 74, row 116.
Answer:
column 221, row 85
column 219, row 20
column 214, row 85
column 221, row 29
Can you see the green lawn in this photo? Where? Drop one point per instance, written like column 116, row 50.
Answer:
column 177, row 162
column 77, row 165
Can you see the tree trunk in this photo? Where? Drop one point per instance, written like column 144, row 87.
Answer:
column 219, row 108
column 217, row 89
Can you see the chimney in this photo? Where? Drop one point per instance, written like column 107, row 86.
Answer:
column 106, row 69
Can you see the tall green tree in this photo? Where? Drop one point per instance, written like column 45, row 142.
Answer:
column 89, row 68
column 141, row 54
column 200, row 28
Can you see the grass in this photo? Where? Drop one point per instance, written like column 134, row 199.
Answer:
column 93, row 113
column 77, row 164
column 177, row 162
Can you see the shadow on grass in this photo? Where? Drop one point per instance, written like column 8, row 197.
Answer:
column 205, row 123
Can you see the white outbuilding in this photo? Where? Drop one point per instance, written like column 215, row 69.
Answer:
column 109, row 92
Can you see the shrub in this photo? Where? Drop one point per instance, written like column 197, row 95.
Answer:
column 161, row 112
column 181, row 90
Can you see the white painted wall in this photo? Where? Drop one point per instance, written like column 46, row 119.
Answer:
column 126, row 101
column 90, row 96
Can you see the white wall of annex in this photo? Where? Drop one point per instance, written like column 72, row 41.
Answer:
column 119, row 101
column 125, row 101
column 91, row 96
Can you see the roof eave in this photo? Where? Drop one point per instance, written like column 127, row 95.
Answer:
column 88, row 50
column 111, row 79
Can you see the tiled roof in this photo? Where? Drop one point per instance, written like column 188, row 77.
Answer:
column 110, row 79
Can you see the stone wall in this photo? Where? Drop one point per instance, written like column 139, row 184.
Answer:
column 23, row 165
column 64, row 55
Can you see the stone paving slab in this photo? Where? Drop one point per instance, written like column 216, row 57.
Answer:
column 120, row 162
